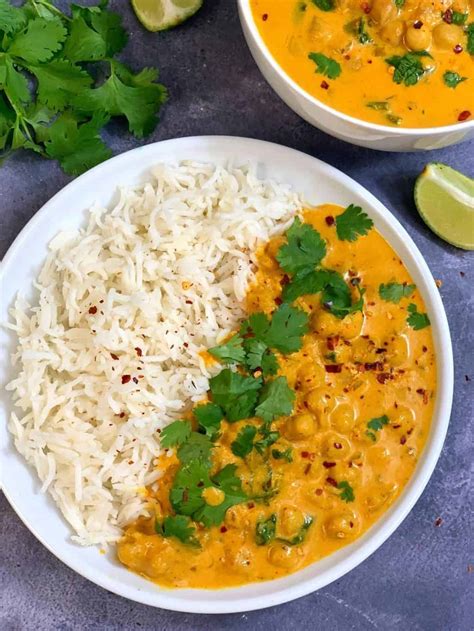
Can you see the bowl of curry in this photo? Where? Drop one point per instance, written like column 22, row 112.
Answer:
column 325, row 415
column 395, row 75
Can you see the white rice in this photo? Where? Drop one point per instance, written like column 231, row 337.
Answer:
column 167, row 270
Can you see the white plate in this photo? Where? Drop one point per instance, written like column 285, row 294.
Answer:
column 319, row 183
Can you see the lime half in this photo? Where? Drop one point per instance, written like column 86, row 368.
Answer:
column 160, row 15
column 445, row 200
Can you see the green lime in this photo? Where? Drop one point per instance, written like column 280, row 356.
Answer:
column 160, row 15
column 445, row 200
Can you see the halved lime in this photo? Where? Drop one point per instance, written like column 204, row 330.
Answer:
column 160, row 15
column 445, row 200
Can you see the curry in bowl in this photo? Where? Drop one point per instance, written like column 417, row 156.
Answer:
column 313, row 425
column 405, row 63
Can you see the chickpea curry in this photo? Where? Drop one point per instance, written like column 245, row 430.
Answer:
column 312, row 427
column 407, row 63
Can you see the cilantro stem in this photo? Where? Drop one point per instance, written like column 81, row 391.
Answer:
column 50, row 7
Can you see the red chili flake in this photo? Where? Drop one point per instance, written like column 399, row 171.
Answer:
column 138, row 351
column 347, row 57
column 366, row 8
column 418, row 24
column 285, row 280
column 332, row 342
column 126, row 378
column 223, row 529
column 265, row 17
column 92, row 310
column 188, row 302
column 141, row 377
column 185, row 344
column 278, row 301
column 101, row 302
column 307, row 469
column 438, row 522
column 464, row 115
column 328, row 465
column 448, row 16
column 333, row 367
column 337, row 446
column 379, row 351
column 424, row 349
column 383, row 377
column 200, row 484
column 403, row 440
column 396, row 426
column 135, row 380
column 324, row 85
column 331, row 481
column 122, row 414
column 369, row 61
column 373, row 366
column 330, row 221
column 114, row 356
column 305, row 454
column 458, row 49
column 250, row 505
column 319, row 491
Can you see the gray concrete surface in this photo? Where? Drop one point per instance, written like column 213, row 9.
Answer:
column 422, row 578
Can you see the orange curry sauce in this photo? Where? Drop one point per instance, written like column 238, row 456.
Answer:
column 384, row 367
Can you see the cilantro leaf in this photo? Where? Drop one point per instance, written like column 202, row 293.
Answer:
column 287, row 454
column 189, row 482
column 58, row 82
column 399, row 3
column 109, row 26
column 453, row 79
column 260, row 356
column 325, row 65
column 305, row 283
column 394, row 292
column 324, row 5
column 257, row 324
column 470, row 38
column 269, row 437
column 304, row 249
column 175, row 433
column 137, row 97
column 11, row 18
column 209, row 417
column 276, row 399
column 353, row 223
column 39, row 40
column 347, row 494
column 379, row 106
column 77, row 147
column 83, row 43
column 358, row 29
column 408, row 68
column 265, row 530
column 231, row 352
column 286, row 330
column 416, row 319
column 180, row 527
column 14, row 83
column 375, row 425
column 237, row 395
column 301, row 535
column 231, row 485
column 243, row 443
column 337, row 296
column 197, row 448
column 459, row 18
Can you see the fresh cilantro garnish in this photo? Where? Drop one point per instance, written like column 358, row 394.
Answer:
column 231, row 352
column 243, row 443
column 408, row 68
column 416, row 319
column 379, row 106
column 175, row 434
column 392, row 118
column 236, row 394
column 470, row 38
column 61, row 113
column 332, row 357
column 231, row 485
column 276, row 399
column 284, row 332
column 265, row 530
column 269, row 437
column 209, row 417
column 197, row 448
column 305, row 248
column 324, row 5
column 305, row 282
column 301, row 534
column 375, row 425
column 399, row 3
column 347, row 494
column 394, row 292
column 337, row 297
column 458, row 18
column 453, row 79
column 325, row 65
column 353, row 223
column 358, row 28
column 180, row 527
column 259, row 356
column 287, row 454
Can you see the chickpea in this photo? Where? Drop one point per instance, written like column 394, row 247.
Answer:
column 418, row 39
column 392, row 33
column 383, row 11
column 398, row 351
column 323, row 500
column 311, row 375
column 236, row 516
column 325, row 323
column 447, row 36
column 341, row 526
column 351, row 326
column 213, row 496
column 291, row 520
column 283, row 555
column 316, row 400
column 239, row 557
column 381, row 496
column 402, row 419
column 300, row 426
column 343, row 417
column 336, row 447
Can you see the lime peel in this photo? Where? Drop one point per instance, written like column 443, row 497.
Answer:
column 161, row 15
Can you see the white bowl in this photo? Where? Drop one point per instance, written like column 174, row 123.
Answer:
column 319, row 183
column 342, row 126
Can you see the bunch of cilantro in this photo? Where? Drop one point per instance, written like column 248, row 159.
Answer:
column 60, row 83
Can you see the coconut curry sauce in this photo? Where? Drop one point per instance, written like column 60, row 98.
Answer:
column 407, row 63
column 363, row 387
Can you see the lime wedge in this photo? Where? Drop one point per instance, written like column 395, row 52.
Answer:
column 445, row 200
column 160, row 15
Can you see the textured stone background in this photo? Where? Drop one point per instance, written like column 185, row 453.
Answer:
column 419, row 579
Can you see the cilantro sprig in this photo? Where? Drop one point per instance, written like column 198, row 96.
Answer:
column 180, row 527
column 326, row 65
column 375, row 425
column 353, row 223
column 394, row 292
column 347, row 494
column 416, row 319
column 50, row 100
column 408, row 68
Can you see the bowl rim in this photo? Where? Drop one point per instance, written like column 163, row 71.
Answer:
column 227, row 602
column 247, row 15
